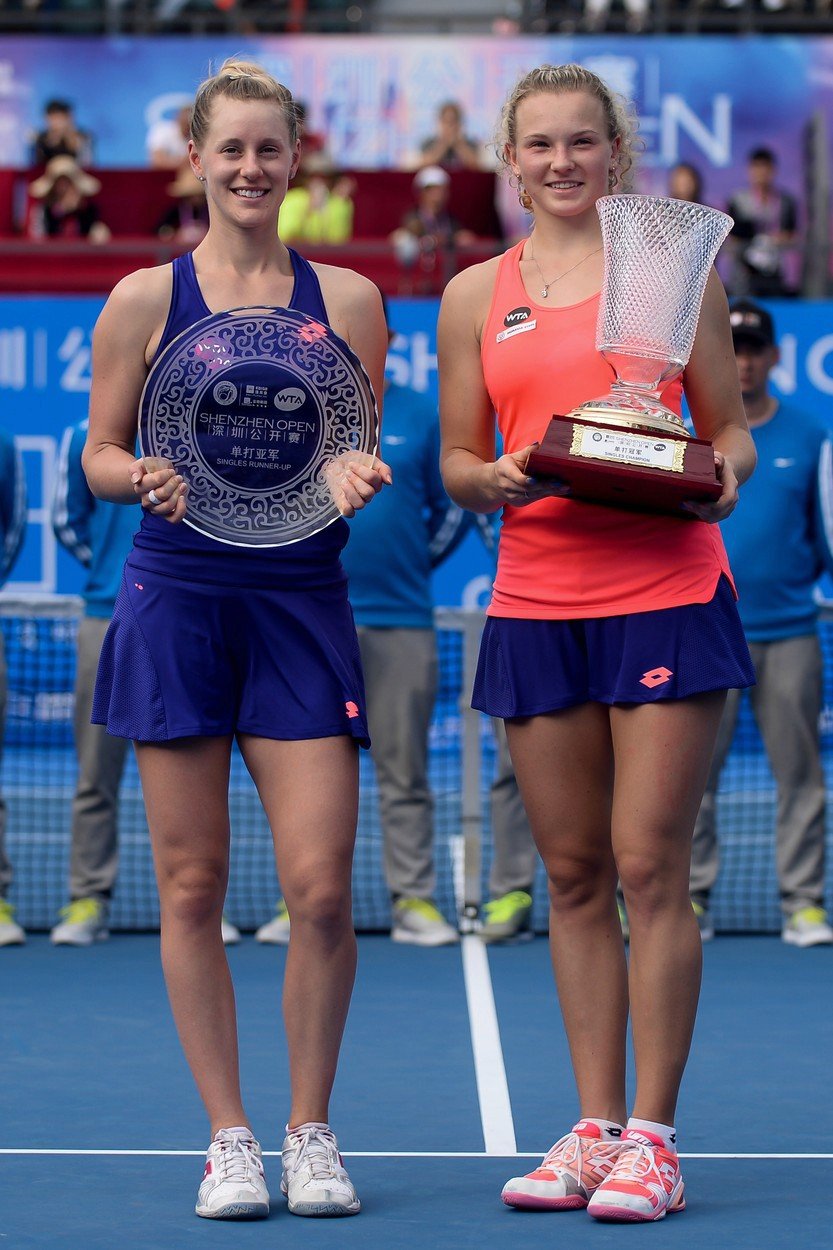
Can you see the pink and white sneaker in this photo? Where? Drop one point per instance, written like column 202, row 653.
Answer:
column 645, row 1183
column 569, row 1174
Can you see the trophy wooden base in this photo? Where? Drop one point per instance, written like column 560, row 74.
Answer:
column 626, row 467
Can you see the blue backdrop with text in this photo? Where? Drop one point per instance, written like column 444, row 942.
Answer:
column 45, row 361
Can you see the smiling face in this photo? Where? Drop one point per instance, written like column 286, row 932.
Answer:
column 247, row 159
column 562, row 154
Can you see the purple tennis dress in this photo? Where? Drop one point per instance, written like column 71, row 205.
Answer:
column 208, row 639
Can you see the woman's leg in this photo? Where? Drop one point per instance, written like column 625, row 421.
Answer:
column 309, row 790
column 662, row 751
column 564, row 766
column 185, row 786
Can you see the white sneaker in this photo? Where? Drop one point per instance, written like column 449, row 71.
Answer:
column 418, row 922
column 808, row 926
column 11, row 933
column 230, row 932
column 233, row 1187
column 84, row 922
column 314, row 1179
column 276, row 931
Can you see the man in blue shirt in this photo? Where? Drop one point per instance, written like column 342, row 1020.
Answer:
column 388, row 560
column 779, row 542
column 99, row 535
column 12, row 528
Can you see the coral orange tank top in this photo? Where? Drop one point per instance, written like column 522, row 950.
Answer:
column 560, row 558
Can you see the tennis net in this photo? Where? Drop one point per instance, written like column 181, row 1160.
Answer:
column 38, row 776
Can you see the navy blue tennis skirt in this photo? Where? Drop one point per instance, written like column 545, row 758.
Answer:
column 530, row 667
column 192, row 658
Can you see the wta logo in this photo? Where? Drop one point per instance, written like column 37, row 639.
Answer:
column 516, row 316
column 289, row 399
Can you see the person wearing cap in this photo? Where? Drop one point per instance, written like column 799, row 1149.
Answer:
column 779, row 544
column 66, row 210
column 428, row 227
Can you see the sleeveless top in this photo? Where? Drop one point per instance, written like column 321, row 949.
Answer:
column 560, row 558
column 181, row 551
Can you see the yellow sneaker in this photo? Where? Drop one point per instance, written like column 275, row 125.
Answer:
column 808, row 926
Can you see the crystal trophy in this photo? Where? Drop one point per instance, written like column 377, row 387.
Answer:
column 626, row 447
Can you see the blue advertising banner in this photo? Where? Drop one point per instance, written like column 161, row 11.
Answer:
column 708, row 99
column 45, row 357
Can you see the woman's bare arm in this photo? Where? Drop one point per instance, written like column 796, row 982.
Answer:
column 713, row 393
column 127, row 324
column 354, row 307
column 473, row 477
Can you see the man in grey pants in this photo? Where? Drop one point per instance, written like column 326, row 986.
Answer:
column 388, row 561
column 779, row 541
column 12, row 529
column 507, row 915
column 99, row 535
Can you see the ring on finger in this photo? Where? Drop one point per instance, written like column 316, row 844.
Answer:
column 154, row 498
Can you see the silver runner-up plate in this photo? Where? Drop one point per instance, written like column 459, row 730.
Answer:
column 258, row 409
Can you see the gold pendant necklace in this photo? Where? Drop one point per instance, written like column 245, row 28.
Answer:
column 545, row 290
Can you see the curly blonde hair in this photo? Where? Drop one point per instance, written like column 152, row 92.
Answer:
column 619, row 117
column 241, row 80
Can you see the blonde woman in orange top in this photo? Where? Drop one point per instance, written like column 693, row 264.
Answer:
column 611, row 639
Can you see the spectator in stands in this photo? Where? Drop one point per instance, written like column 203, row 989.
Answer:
column 319, row 208
column 12, row 528
column 685, row 182
column 186, row 221
column 61, row 136
column 779, row 544
column 66, row 210
column 388, row 561
column 450, row 147
column 766, row 221
column 167, row 140
column 313, row 143
column 99, row 535
column 596, row 11
column 429, row 227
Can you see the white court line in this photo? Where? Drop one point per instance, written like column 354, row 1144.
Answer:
column 492, row 1089
column 384, row 1154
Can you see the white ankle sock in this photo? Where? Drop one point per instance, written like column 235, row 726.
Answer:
column 665, row 1131
column 611, row 1131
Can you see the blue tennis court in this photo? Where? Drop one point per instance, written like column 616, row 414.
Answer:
column 454, row 1076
